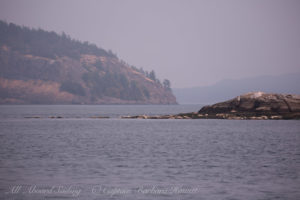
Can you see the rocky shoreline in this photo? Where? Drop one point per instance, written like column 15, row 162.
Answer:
column 194, row 115
column 250, row 106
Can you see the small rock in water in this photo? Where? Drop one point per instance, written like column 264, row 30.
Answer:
column 55, row 117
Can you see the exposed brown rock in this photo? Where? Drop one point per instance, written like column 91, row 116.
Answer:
column 256, row 105
column 29, row 79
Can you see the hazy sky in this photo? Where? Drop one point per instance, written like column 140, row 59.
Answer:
column 190, row 42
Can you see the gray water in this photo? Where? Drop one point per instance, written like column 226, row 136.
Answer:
column 77, row 157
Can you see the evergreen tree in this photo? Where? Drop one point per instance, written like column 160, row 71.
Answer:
column 167, row 84
column 152, row 75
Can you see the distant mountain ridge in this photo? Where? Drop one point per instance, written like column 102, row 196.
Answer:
column 226, row 89
column 40, row 67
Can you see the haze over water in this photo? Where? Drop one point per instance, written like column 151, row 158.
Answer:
column 191, row 43
column 68, row 152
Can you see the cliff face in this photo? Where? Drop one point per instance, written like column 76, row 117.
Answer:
column 256, row 104
column 35, row 70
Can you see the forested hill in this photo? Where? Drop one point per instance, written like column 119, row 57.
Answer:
column 41, row 67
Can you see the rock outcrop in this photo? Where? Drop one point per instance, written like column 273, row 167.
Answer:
column 254, row 105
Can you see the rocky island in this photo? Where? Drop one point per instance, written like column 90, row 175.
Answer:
column 253, row 105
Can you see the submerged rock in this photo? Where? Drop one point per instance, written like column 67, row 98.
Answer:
column 99, row 117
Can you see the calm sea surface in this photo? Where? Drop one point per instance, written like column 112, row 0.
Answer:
column 78, row 157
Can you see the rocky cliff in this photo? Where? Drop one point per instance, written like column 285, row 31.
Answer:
column 40, row 67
